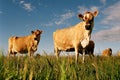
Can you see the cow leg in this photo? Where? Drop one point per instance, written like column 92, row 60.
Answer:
column 91, row 55
column 84, row 43
column 29, row 54
column 14, row 54
column 32, row 54
column 83, row 55
column 77, row 54
column 8, row 54
column 57, row 53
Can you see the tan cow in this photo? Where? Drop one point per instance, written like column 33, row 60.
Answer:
column 107, row 52
column 26, row 44
column 72, row 37
column 89, row 48
column 118, row 53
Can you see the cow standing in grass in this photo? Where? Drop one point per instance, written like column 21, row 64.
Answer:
column 26, row 44
column 72, row 37
column 107, row 52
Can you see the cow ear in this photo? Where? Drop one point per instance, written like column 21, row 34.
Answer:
column 95, row 13
column 41, row 31
column 80, row 16
column 32, row 32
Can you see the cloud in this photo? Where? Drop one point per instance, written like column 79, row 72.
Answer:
column 111, row 19
column 48, row 24
column 26, row 6
column 83, row 9
column 94, row 8
column 62, row 18
column 112, row 34
column 22, row 2
column 103, row 1
column 112, row 14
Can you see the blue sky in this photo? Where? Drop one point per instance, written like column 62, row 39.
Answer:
column 20, row 17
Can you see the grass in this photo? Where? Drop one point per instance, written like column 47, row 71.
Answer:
column 47, row 67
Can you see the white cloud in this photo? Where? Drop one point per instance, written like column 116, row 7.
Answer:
column 112, row 34
column 59, row 19
column 64, row 17
column 21, row 2
column 94, row 8
column 112, row 22
column 26, row 6
column 48, row 24
column 103, row 1
column 82, row 9
column 112, row 14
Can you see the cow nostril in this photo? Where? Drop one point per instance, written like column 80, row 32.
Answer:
column 35, row 38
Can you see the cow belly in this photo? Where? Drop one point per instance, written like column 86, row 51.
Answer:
column 64, row 46
column 19, row 49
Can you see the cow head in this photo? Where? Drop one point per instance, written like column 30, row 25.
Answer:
column 36, row 38
column 110, row 50
column 88, row 18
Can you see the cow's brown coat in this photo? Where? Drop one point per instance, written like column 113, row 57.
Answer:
column 24, row 44
column 107, row 52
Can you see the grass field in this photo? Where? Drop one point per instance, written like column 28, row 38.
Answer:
column 47, row 67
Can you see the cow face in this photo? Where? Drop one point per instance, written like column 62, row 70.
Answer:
column 110, row 51
column 36, row 34
column 36, row 38
column 88, row 18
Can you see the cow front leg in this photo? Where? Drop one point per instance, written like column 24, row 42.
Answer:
column 8, row 54
column 83, row 56
column 77, row 54
column 30, row 54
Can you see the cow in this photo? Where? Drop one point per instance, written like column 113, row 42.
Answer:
column 72, row 37
column 89, row 48
column 118, row 53
column 107, row 52
column 25, row 44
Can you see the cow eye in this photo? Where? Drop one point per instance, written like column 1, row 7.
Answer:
column 35, row 38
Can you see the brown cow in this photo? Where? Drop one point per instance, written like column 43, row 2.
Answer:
column 26, row 44
column 107, row 52
column 118, row 53
column 72, row 37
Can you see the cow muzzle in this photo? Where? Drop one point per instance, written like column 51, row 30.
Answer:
column 87, row 26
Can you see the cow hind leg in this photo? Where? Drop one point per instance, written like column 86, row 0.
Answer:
column 9, row 52
column 57, row 53
column 91, row 55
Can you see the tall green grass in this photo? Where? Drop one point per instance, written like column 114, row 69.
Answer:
column 47, row 67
